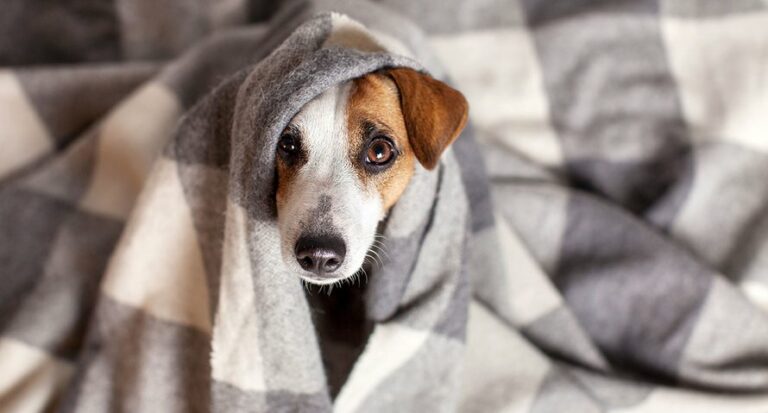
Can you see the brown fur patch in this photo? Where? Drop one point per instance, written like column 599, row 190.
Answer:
column 434, row 113
column 285, row 175
column 374, row 100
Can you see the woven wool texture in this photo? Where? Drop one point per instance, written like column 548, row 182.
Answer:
column 595, row 241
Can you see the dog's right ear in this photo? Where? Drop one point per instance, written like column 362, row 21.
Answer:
column 434, row 113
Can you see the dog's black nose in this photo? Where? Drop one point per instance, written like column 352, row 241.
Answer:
column 321, row 255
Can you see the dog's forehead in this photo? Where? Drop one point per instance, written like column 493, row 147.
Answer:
column 322, row 121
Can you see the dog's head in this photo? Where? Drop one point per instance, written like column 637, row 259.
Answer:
column 345, row 159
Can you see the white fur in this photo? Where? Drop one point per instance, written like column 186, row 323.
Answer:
column 355, row 209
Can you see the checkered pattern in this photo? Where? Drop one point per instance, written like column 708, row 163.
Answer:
column 595, row 241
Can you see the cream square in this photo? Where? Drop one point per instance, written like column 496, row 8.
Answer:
column 23, row 135
column 499, row 73
column 157, row 265
column 721, row 69
column 130, row 140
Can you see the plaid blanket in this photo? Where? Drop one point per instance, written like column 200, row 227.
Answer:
column 596, row 241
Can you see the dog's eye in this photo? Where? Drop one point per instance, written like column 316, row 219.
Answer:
column 288, row 145
column 380, row 152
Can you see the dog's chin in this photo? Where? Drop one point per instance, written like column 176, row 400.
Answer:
column 327, row 280
column 315, row 280
column 348, row 271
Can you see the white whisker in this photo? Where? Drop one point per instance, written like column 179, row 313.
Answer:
column 377, row 256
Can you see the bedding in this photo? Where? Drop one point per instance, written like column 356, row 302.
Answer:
column 595, row 241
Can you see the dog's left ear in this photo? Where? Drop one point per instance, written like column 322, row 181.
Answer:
column 434, row 113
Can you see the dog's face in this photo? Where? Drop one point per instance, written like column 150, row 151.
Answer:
column 346, row 158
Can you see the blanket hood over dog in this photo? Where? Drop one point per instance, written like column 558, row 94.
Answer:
column 142, row 270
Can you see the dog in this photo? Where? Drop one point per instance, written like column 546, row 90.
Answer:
column 345, row 159
column 342, row 163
